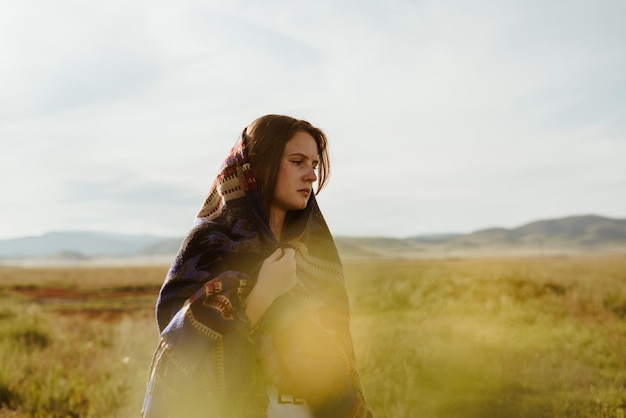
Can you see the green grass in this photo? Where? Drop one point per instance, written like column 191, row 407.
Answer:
column 492, row 338
column 76, row 342
column 434, row 338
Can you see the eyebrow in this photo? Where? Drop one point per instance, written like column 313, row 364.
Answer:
column 299, row 154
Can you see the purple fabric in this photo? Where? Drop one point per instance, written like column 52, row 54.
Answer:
column 207, row 361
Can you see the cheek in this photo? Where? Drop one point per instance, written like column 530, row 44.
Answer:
column 287, row 174
column 282, row 180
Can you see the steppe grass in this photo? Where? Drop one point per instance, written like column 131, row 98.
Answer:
column 492, row 338
column 76, row 342
column 468, row 338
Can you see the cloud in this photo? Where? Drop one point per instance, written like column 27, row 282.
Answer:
column 61, row 56
column 442, row 116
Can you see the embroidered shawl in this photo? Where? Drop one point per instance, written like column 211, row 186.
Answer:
column 209, row 361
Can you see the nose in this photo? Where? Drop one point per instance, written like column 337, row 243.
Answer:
column 310, row 174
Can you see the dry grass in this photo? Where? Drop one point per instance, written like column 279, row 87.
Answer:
column 447, row 338
column 492, row 338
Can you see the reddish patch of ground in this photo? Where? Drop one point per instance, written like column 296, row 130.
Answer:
column 50, row 293
column 106, row 315
column 84, row 302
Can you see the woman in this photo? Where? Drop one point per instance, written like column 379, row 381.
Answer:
column 253, row 314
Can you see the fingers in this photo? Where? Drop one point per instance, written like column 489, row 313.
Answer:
column 289, row 252
column 281, row 253
column 276, row 255
column 285, row 256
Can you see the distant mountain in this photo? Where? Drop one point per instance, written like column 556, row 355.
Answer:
column 573, row 234
column 163, row 247
column 556, row 236
column 76, row 242
column 435, row 238
column 589, row 231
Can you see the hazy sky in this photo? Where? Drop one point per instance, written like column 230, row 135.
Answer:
column 443, row 116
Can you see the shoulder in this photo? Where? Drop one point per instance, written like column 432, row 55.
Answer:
column 207, row 233
column 213, row 236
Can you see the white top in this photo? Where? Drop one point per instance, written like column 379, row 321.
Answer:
column 286, row 406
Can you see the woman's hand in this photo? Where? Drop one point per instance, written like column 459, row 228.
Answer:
column 276, row 277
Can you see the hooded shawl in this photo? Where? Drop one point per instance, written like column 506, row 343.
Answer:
column 209, row 361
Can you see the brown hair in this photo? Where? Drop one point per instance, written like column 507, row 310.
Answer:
column 266, row 138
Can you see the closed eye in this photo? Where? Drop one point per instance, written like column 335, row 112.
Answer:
column 299, row 160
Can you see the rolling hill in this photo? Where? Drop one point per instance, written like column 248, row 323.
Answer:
column 85, row 243
column 574, row 234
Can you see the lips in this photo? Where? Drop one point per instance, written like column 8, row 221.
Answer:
column 305, row 191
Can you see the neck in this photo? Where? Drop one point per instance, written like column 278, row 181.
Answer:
column 277, row 220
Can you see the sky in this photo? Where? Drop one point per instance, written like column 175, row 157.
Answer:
column 442, row 115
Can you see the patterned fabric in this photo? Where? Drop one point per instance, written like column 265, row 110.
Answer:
column 209, row 361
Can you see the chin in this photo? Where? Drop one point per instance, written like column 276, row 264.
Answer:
column 300, row 206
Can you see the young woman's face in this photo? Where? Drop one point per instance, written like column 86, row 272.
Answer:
column 297, row 173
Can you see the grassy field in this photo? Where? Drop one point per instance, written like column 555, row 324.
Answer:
column 507, row 338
